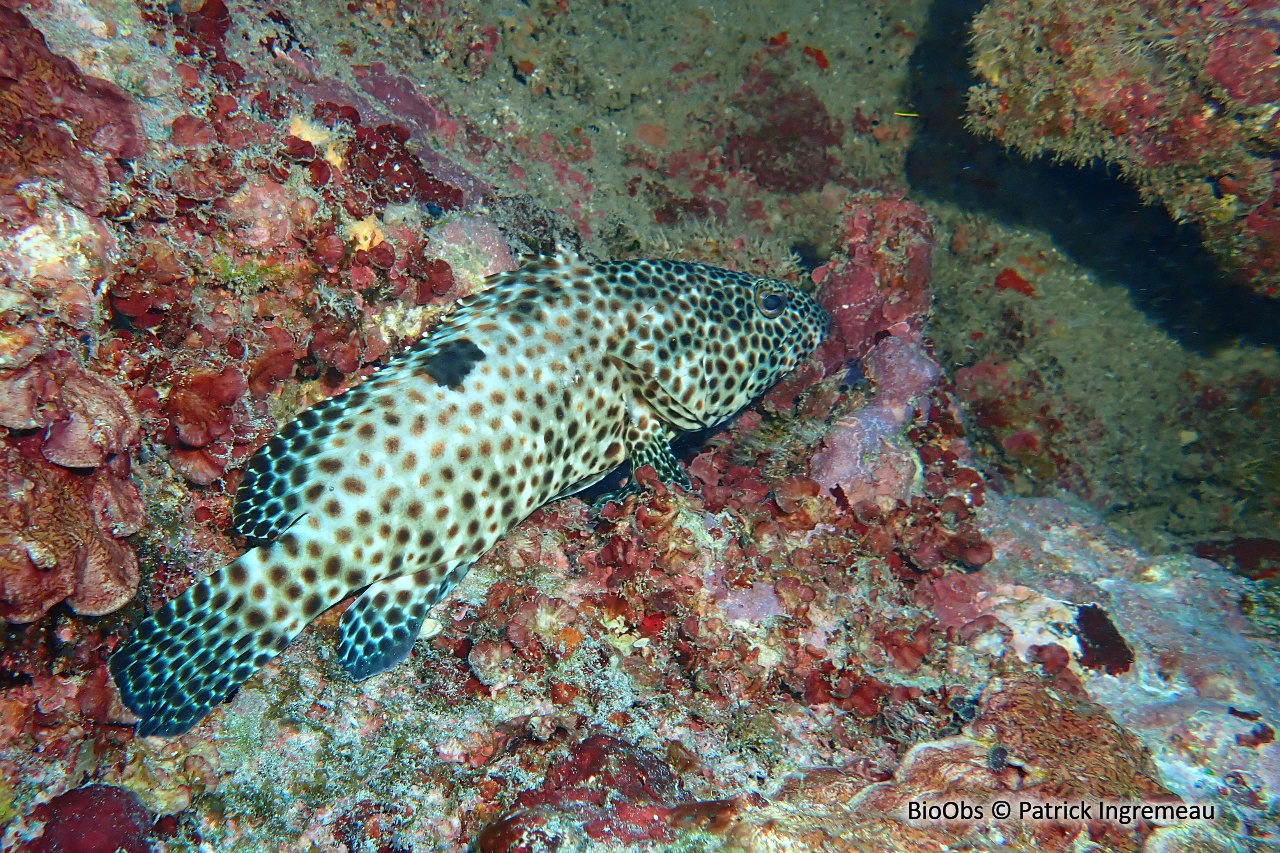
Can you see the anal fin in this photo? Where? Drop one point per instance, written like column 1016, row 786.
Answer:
column 380, row 627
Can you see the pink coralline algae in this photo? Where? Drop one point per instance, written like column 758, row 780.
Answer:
column 473, row 247
column 1016, row 410
column 393, row 173
column 87, row 421
column 427, row 115
column 259, row 215
column 60, row 537
column 864, row 456
column 71, row 498
column 877, row 283
column 784, row 137
column 606, row 790
column 1242, row 57
column 58, row 124
column 200, row 412
column 52, row 258
column 94, row 819
column 876, row 290
column 199, row 405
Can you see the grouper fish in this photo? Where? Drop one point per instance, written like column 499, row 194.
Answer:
column 530, row 390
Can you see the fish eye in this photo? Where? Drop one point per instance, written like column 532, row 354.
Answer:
column 771, row 302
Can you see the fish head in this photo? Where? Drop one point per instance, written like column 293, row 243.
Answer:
column 716, row 339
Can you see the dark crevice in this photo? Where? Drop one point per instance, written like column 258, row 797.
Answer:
column 1095, row 218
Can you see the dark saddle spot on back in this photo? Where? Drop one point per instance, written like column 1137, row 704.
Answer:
column 452, row 361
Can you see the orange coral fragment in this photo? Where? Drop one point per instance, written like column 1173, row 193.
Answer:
column 1009, row 279
column 819, row 58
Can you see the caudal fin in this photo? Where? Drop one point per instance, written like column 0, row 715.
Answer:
column 195, row 650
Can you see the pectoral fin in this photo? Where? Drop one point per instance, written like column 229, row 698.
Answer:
column 649, row 443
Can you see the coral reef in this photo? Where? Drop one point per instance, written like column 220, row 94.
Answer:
column 655, row 678
column 845, row 612
column 1180, row 96
column 59, row 124
column 1046, row 380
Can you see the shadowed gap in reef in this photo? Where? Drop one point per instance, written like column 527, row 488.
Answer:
column 1095, row 218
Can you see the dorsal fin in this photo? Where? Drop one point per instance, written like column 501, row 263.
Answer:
column 564, row 257
column 268, row 498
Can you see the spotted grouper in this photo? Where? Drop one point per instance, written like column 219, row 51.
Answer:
column 529, row 391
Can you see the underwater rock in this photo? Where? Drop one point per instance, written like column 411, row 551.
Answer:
column 472, row 248
column 864, row 456
column 585, row 673
column 1194, row 674
column 93, row 819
